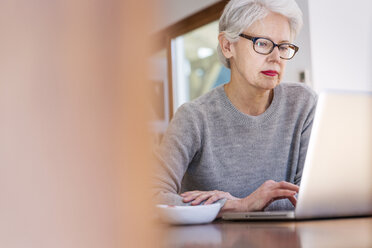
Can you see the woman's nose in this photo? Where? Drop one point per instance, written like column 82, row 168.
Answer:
column 275, row 54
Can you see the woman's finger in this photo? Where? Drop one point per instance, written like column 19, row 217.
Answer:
column 192, row 196
column 201, row 198
column 189, row 193
column 293, row 200
column 270, row 185
column 196, row 197
column 214, row 198
column 287, row 185
column 281, row 193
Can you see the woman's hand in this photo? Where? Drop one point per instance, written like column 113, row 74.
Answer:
column 268, row 192
column 196, row 197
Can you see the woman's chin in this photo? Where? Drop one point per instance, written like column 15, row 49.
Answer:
column 269, row 85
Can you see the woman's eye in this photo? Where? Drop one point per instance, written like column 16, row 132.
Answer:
column 262, row 44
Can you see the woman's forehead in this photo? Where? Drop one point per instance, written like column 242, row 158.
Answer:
column 273, row 26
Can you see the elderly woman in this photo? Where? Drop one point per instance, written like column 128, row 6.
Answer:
column 245, row 141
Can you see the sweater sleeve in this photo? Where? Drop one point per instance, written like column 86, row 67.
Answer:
column 181, row 142
column 305, row 137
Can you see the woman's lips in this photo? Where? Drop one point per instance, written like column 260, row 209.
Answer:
column 270, row 73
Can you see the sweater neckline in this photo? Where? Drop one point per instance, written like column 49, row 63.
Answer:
column 270, row 112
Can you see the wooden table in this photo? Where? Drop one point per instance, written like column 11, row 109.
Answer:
column 347, row 232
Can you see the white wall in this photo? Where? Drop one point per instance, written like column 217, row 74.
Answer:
column 341, row 39
column 302, row 60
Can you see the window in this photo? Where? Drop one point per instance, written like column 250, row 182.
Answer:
column 195, row 65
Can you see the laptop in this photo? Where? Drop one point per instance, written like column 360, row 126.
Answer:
column 337, row 175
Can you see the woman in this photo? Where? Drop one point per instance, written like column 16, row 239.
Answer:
column 245, row 141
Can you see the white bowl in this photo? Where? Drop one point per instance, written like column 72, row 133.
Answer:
column 184, row 215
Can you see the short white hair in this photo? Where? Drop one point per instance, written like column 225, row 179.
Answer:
column 238, row 15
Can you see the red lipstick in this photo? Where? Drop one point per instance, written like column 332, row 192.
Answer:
column 270, row 73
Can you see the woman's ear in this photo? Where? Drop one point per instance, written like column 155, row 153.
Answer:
column 226, row 45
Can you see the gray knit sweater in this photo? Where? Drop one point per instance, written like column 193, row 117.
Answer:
column 210, row 145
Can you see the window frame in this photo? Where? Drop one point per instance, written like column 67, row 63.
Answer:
column 164, row 38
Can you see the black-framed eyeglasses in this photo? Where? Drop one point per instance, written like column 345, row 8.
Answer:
column 266, row 46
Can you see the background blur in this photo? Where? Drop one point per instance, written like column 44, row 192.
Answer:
column 74, row 107
column 78, row 90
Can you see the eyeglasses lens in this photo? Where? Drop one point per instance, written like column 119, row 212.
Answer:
column 265, row 46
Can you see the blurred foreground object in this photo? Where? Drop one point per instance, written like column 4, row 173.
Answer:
column 74, row 151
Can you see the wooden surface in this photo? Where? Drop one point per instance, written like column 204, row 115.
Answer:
column 348, row 232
